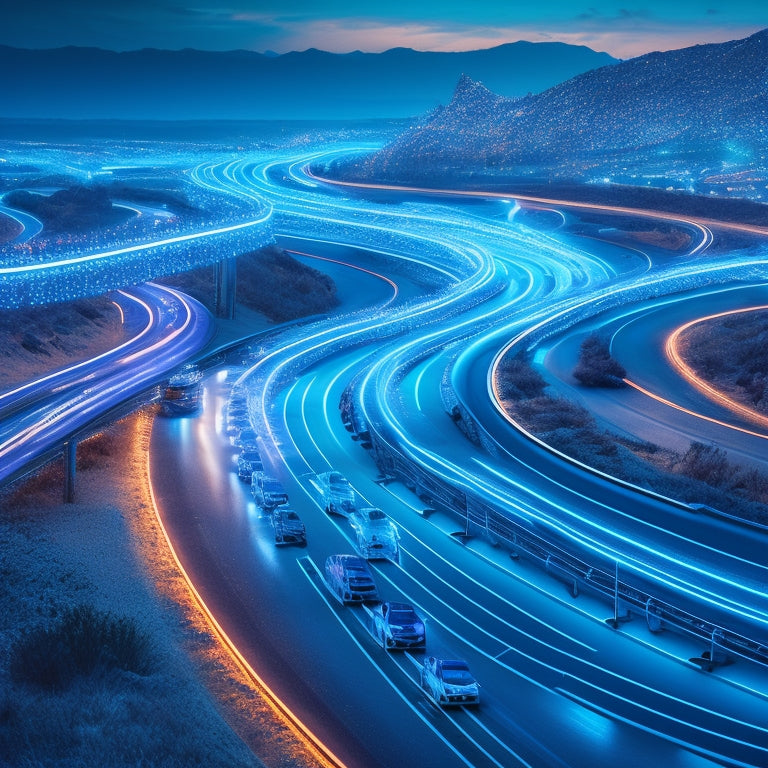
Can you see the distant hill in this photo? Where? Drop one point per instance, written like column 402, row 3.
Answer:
column 703, row 108
column 90, row 83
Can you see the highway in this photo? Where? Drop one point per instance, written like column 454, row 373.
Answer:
column 162, row 329
column 668, row 404
column 437, row 289
column 474, row 282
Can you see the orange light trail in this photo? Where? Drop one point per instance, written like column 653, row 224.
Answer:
column 325, row 757
column 672, row 349
column 697, row 415
column 395, row 289
column 699, row 223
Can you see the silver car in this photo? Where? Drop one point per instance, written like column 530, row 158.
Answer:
column 398, row 626
column 377, row 536
column 448, row 682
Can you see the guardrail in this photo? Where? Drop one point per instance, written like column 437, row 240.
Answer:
column 599, row 577
column 120, row 411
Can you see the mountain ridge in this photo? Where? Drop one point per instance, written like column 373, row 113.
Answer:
column 157, row 84
column 703, row 103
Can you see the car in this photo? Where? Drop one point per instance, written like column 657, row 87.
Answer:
column 248, row 462
column 350, row 579
column 397, row 625
column 267, row 492
column 377, row 536
column 183, row 392
column 288, row 527
column 338, row 495
column 448, row 682
column 244, row 438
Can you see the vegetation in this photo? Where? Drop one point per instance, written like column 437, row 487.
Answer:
column 269, row 281
column 703, row 475
column 81, row 643
column 75, row 209
column 596, row 367
column 732, row 352
column 9, row 229
column 91, row 670
column 37, row 339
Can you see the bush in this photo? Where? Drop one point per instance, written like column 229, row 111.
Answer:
column 83, row 642
column 518, row 381
column 596, row 367
column 707, row 463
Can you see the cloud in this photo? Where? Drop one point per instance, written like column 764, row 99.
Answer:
column 226, row 24
column 631, row 33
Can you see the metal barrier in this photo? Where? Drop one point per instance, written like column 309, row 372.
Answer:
column 484, row 518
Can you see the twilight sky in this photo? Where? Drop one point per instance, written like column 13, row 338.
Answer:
column 624, row 28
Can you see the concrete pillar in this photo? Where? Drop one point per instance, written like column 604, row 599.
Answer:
column 225, row 288
column 70, row 467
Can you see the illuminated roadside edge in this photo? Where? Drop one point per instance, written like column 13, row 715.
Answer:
column 675, row 356
column 315, row 746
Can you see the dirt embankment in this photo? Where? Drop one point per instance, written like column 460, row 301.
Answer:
column 269, row 281
column 107, row 551
column 37, row 340
column 9, row 229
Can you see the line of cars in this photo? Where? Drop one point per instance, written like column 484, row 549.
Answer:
column 395, row 625
column 376, row 536
column 267, row 492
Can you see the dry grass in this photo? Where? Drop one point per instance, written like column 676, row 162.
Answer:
column 702, row 475
column 107, row 551
column 269, row 281
column 37, row 340
column 731, row 353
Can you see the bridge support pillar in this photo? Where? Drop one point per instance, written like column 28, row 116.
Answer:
column 225, row 287
column 70, row 467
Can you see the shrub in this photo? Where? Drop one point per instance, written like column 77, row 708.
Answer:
column 707, row 463
column 547, row 414
column 596, row 367
column 82, row 642
column 517, row 380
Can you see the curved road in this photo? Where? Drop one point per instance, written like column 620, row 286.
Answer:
column 546, row 660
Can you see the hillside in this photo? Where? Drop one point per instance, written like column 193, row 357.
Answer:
column 89, row 83
column 705, row 107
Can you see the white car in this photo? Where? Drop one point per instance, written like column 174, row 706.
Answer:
column 377, row 536
column 448, row 682
column 338, row 494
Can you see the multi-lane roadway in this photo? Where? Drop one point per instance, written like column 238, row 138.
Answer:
column 435, row 288
column 560, row 686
